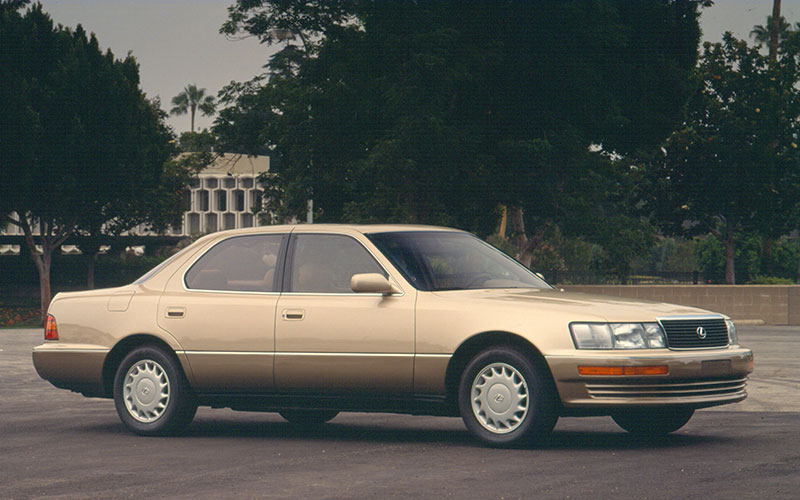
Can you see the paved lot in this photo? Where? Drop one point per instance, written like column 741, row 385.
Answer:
column 55, row 444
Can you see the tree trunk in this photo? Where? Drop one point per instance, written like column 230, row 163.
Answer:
column 525, row 245
column 526, row 255
column 774, row 30
column 91, row 264
column 730, row 256
column 518, row 226
column 50, row 240
column 91, row 248
column 501, row 231
column 766, row 255
column 43, row 265
column 797, row 278
column 726, row 237
column 524, row 252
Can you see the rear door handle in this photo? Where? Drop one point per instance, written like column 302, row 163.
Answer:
column 293, row 314
column 176, row 312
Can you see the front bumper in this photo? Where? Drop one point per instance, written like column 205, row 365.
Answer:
column 697, row 378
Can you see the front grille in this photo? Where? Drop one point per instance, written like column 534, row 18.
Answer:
column 682, row 333
column 667, row 390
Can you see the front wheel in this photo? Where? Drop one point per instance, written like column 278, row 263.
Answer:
column 151, row 393
column 653, row 421
column 505, row 399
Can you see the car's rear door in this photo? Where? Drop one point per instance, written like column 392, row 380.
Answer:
column 221, row 308
column 329, row 339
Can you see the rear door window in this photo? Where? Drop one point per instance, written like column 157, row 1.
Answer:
column 238, row 264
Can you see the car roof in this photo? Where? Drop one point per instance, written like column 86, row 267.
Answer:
column 310, row 228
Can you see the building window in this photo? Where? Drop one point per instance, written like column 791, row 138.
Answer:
column 193, row 223
column 211, row 222
column 238, row 200
column 229, row 221
column 247, row 220
column 203, row 199
column 256, row 200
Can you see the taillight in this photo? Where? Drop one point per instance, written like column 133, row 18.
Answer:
column 50, row 328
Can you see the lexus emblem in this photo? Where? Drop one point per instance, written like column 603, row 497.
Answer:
column 499, row 398
column 701, row 332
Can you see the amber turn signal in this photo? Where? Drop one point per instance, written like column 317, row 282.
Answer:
column 623, row 370
column 50, row 328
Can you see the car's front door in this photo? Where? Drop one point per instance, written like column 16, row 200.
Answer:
column 222, row 311
column 330, row 339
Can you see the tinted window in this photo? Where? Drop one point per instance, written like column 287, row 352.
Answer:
column 324, row 263
column 433, row 260
column 241, row 263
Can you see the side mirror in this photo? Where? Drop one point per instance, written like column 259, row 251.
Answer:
column 372, row 283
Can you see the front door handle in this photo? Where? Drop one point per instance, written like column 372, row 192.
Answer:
column 293, row 314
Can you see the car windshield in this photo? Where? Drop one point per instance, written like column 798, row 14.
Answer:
column 443, row 260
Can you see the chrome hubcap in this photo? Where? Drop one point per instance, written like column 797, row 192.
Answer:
column 499, row 398
column 146, row 391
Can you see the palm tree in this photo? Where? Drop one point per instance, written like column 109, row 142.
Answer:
column 761, row 33
column 192, row 99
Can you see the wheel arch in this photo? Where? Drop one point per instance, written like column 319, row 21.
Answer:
column 475, row 344
column 122, row 348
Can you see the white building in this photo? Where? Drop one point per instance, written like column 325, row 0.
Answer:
column 225, row 195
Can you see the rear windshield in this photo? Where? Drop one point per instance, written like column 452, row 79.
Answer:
column 149, row 274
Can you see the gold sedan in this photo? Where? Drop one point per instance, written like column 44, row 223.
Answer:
column 310, row 320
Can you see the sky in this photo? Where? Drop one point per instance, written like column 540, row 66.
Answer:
column 177, row 42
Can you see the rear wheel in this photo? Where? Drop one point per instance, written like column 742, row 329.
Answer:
column 505, row 399
column 653, row 421
column 151, row 393
column 308, row 417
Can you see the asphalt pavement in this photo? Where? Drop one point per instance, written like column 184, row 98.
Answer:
column 56, row 444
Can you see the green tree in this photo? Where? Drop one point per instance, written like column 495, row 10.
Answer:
column 79, row 143
column 197, row 142
column 149, row 194
column 734, row 167
column 190, row 100
column 13, row 4
column 440, row 112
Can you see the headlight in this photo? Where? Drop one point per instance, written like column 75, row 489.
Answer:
column 732, row 337
column 617, row 336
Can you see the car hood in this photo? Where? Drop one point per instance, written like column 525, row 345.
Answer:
column 580, row 306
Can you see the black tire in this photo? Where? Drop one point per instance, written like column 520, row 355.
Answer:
column 512, row 427
column 144, row 405
column 308, row 417
column 653, row 421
